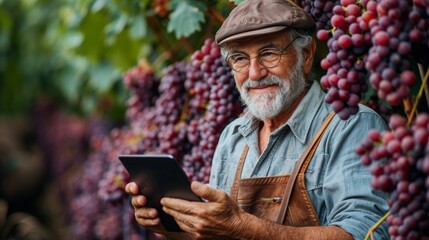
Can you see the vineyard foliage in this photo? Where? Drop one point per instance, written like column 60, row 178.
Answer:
column 75, row 51
column 153, row 64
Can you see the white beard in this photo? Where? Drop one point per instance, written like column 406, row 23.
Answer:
column 269, row 105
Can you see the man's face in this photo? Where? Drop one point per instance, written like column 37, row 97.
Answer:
column 269, row 91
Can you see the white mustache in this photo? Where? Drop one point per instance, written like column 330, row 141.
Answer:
column 272, row 80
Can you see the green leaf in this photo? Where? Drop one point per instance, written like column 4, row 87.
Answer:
column 138, row 27
column 89, row 103
column 5, row 28
column 103, row 76
column 185, row 20
column 98, row 5
column 114, row 28
column 94, row 39
column 69, row 83
column 72, row 40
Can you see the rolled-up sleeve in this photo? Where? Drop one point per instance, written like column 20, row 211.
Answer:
column 351, row 202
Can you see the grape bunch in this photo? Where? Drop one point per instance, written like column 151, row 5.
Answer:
column 216, row 103
column 321, row 10
column 85, row 203
column 403, row 172
column 389, row 59
column 197, row 87
column 345, row 76
column 143, row 85
column 378, row 40
column 419, row 36
column 170, row 109
column 103, row 228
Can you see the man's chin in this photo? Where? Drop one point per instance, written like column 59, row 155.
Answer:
column 261, row 117
column 262, row 98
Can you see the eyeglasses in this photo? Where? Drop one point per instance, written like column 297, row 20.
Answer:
column 267, row 57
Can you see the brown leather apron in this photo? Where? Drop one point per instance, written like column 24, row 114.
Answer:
column 282, row 199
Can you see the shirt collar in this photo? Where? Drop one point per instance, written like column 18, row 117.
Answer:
column 300, row 121
column 304, row 115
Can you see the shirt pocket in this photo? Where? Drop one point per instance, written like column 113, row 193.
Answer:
column 315, row 172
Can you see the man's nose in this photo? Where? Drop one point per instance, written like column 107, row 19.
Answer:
column 257, row 70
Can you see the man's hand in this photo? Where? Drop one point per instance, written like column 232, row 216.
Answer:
column 147, row 217
column 218, row 218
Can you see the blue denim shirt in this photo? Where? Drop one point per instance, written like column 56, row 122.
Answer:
column 337, row 183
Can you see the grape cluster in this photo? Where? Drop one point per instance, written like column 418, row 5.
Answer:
column 322, row 11
column 345, row 78
column 419, row 36
column 103, row 228
column 197, row 87
column 169, row 107
column 404, row 174
column 389, row 59
column 143, row 85
column 379, row 39
column 216, row 104
column 85, row 203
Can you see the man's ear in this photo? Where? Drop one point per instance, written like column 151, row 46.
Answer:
column 308, row 54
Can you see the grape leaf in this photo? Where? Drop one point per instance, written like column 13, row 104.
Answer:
column 102, row 77
column 98, row 5
column 185, row 20
column 70, row 83
column 138, row 28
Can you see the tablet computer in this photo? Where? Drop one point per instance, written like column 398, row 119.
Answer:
column 159, row 176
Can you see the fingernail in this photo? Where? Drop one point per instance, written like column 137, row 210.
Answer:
column 197, row 185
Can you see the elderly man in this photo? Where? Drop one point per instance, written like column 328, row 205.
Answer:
column 287, row 169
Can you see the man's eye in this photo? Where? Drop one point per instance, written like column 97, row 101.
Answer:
column 268, row 53
column 237, row 59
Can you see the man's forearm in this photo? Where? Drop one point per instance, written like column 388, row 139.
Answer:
column 254, row 228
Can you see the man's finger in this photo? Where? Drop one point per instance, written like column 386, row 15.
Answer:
column 147, row 213
column 211, row 194
column 132, row 188
column 138, row 201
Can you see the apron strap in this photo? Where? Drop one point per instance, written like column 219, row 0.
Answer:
column 308, row 154
column 234, row 189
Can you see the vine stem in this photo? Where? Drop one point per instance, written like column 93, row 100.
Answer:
column 408, row 105
column 418, row 97
column 421, row 71
column 373, row 228
column 187, row 45
column 216, row 15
